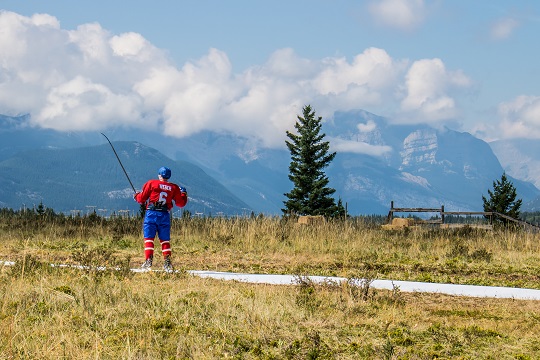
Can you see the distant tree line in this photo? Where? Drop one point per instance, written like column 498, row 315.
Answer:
column 42, row 214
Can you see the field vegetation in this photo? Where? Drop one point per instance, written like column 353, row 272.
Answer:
column 51, row 312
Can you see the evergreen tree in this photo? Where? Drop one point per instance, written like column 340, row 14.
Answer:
column 341, row 211
column 309, row 156
column 503, row 199
column 40, row 209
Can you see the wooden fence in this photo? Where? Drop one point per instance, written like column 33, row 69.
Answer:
column 491, row 215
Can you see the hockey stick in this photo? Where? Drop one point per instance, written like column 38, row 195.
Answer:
column 133, row 187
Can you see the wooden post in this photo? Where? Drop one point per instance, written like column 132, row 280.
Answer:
column 442, row 214
column 390, row 213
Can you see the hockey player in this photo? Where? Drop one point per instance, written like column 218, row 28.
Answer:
column 159, row 195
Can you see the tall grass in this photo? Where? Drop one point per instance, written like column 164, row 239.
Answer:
column 62, row 313
column 50, row 313
column 276, row 245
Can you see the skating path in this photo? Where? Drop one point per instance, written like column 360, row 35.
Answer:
column 405, row 286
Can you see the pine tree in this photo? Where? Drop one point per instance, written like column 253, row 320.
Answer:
column 341, row 211
column 309, row 156
column 503, row 199
column 40, row 209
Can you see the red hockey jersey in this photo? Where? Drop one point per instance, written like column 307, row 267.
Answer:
column 161, row 194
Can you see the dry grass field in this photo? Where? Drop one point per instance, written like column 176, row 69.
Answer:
column 68, row 313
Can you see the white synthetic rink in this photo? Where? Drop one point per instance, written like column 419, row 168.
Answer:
column 405, row 286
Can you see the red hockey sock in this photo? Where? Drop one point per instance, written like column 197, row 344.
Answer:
column 165, row 248
column 148, row 248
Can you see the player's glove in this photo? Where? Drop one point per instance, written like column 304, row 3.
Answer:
column 135, row 195
column 183, row 190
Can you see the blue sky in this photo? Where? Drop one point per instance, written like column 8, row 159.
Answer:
column 248, row 67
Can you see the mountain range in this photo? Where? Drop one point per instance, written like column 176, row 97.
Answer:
column 377, row 162
column 83, row 179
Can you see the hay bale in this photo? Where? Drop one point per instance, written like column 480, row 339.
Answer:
column 399, row 224
column 403, row 222
column 311, row 220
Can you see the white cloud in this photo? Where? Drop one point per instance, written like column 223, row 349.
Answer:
column 17, row 32
column 92, row 105
column 90, row 79
column 427, row 89
column 367, row 127
column 286, row 63
column 92, row 41
column 130, row 45
column 374, row 69
column 357, row 147
column 520, row 118
column 503, row 28
column 400, row 14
